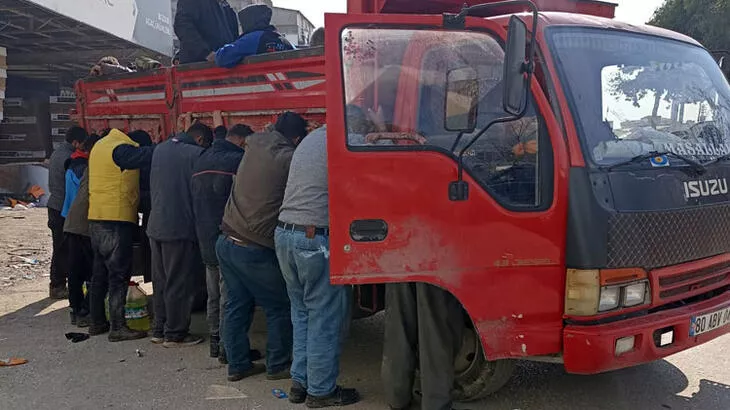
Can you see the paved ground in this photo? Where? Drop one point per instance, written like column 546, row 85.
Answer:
column 96, row 374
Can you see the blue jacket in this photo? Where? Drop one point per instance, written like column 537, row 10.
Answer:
column 252, row 43
column 211, row 186
column 75, row 167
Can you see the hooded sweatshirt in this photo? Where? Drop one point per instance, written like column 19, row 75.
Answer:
column 259, row 37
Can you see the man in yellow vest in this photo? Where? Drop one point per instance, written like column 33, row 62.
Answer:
column 113, row 223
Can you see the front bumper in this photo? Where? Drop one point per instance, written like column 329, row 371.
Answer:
column 591, row 349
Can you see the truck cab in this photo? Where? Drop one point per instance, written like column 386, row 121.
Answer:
column 588, row 224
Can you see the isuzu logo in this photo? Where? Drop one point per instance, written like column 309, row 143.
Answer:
column 711, row 187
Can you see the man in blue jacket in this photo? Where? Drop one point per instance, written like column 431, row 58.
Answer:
column 210, row 187
column 259, row 37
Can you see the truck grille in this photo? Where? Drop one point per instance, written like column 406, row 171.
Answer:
column 682, row 282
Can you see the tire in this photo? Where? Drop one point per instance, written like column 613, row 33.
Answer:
column 476, row 377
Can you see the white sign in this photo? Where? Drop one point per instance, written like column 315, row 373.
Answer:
column 144, row 22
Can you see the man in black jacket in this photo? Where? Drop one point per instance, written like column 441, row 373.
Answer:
column 211, row 186
column 175, row 253
column 204, row 26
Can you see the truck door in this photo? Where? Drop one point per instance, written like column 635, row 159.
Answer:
column 406, row 95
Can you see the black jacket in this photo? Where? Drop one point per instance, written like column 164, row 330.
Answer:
column 171, row 218
column 130, row 157
column 211, row 187
column 204, row 26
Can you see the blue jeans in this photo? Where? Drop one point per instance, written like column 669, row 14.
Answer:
column 252, row 277
column 319, row 310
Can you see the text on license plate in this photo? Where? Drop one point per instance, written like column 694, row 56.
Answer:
column 709, row 322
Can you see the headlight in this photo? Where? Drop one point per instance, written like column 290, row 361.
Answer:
column 610, row 298
column 590, row 292
column 634, row 294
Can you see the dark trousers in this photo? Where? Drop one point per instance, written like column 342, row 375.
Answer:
column 423, row 328
column 253, row 277
column 175, row 267
column 59, row 260
column 112, row 243
column 81, row 262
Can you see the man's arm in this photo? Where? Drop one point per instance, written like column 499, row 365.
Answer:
column 130, row 157
column 231, row 55
column 186, row 28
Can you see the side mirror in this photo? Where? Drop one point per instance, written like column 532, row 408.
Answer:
column 462, row 100
column 515, row 80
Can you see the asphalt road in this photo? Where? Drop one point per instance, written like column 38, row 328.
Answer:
column 95, row 374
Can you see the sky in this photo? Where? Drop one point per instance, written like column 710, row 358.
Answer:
column 633, row 11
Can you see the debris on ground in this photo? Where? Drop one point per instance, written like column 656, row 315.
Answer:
column 25, row 249
column 12, row 361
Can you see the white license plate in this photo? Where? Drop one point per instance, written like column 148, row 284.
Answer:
column 709, row 322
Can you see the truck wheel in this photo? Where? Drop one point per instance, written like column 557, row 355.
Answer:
column 476, row 377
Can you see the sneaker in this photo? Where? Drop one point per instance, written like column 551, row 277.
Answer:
column 125, row 334
column 222, row 358
column 58, row 293
column 189, row 340
column 282, row 375
column 96, row 330
column 74, row 320
column 83, row 321
column 339, row 397
column 297, row 393
column 257, row 368
column 254, row 355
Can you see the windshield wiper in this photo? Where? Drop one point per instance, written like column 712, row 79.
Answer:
column 718, row 159
column 699, row 168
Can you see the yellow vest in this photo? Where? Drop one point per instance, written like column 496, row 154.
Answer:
column 113, row 193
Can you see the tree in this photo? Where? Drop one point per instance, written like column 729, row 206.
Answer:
column 704, row 20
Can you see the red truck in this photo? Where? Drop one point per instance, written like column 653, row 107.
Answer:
column 561, row 173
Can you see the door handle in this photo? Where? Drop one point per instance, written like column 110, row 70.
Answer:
column 369, row 230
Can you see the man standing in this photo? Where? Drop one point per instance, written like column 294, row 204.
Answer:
column 113, row 205
column 204, row 26
column 75, row 136
column 423, row 328
column 319, row 309
column 246, row 250
column 175, row 255
column 211, row 187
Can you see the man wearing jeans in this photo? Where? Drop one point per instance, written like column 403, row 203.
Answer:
column 319, row 310
column 246, row 251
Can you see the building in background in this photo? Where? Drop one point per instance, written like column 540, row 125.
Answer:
column 291, row 23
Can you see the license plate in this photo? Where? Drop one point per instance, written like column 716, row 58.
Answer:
column 709, row 322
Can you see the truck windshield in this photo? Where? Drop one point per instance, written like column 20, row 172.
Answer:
column 637, row 94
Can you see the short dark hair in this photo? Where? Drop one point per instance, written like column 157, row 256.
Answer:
column 317, row 38
column 220, row 132
column 90, row 142
column 240, row 130
column 141, row 137
column 105, row 132
column 201, row 130
column 76, row 134
column 291, row 125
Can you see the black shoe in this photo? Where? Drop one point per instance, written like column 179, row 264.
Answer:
column 125, row 334
column 297, row 393
column 96, row 330
column 254, row 355
column 83, row 321
column 215, row 348
column 257, row 368
column 187, row 341
column 282, row 375
column 222, row 358
column 74, row 319
column 339, row 397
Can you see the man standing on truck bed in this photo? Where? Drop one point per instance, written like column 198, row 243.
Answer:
column 113, row 219
column 177, row 270
column 211, row 187
column 204, row 26
column 246, row 251
column 259, row 37
column 75, row 136
column 319, row 309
